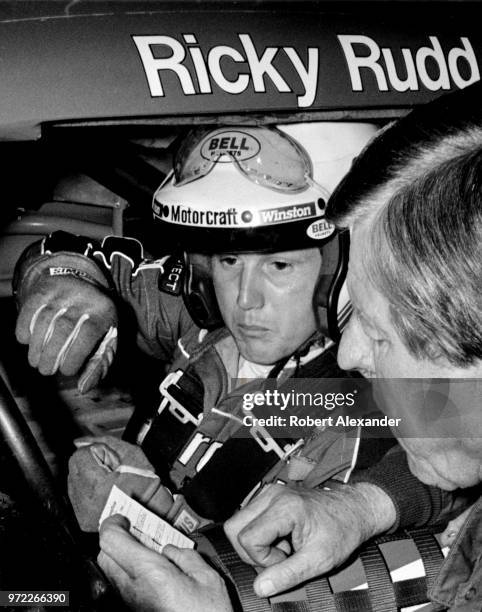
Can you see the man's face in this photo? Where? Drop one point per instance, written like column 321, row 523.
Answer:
column 266, row 300
column 371, row 345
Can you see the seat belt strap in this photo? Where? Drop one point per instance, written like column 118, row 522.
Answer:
column 241, row 575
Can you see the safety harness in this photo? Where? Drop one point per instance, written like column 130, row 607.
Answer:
column 382, row 595
column 248, row 459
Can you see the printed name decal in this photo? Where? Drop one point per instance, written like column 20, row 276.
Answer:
column 249, row 67
column 380, row 61
column 260, row 66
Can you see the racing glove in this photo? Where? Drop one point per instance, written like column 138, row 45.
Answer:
column 100, row 463
column 66, row 316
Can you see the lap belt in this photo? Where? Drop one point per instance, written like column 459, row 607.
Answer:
column 382, row 595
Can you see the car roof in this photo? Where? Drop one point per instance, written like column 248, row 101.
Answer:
column 87, row 62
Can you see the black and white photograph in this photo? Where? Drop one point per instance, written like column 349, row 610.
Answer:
column 241, row 299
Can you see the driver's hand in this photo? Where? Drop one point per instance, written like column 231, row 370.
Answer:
column 323, row 527
column 70, row 326
column 101, row 462
column 179, row 580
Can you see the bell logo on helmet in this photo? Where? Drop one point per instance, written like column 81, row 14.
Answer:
column 321, row 229
column 230, row 143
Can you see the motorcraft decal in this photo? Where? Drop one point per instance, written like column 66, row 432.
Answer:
column 231, row 217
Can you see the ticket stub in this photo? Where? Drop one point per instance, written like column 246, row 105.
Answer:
column 153, row 531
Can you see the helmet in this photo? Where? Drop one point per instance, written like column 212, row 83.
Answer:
column 258, row 189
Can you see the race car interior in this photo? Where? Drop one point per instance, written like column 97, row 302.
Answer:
column 95, row 185
column 94, row 182
column 99, row 117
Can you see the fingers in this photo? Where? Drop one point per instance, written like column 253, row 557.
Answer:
column 67, row 342
column 99, row 363
column 287, row 574
column 63, row 321
column 113, row 571
column 132, row 556
column 258, row 505
column 27, row 319
column 187, row 560
column 59, row 339
column 255, row 530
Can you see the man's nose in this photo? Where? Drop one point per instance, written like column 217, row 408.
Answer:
column 250, row 292
column 354, row 351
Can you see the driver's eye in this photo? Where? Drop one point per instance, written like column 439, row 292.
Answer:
column 281, row 265
column 228, row 260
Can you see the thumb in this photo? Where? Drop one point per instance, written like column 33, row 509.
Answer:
column 285, row 575
column 187, row 560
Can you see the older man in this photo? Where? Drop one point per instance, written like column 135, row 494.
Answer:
column 413, row 203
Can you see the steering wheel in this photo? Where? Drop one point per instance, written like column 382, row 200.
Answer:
column 89, row 589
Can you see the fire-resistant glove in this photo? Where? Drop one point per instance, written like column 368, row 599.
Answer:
column 67, row 317
column 98, row 464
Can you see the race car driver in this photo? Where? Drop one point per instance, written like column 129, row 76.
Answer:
column 251, row 300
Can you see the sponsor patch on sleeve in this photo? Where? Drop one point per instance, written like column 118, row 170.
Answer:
column 170, row 281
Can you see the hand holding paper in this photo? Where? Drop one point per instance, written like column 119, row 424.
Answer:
column 174, row 581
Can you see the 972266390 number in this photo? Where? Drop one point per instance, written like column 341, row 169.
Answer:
column 27, row 598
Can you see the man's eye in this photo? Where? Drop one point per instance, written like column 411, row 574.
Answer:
column 281, row 265
column 228, row 261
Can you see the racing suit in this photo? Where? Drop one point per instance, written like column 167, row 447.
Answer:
column 195, row 438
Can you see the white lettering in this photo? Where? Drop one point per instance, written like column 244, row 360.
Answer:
column 153, row 65
column 437, row 55
column 467, row 54
column 411, row 81
column 355, row 63
column 260, row 66
column 430, row 67
column 308, row 76
column 214, row 62
column 199, row 65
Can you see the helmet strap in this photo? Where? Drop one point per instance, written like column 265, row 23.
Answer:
column 327, row 291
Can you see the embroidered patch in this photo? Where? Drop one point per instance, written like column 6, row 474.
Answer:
column 170, row 281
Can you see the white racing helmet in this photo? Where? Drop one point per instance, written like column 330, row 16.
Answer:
column 259, row 189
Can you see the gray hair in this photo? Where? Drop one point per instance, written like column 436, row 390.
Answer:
column 424, row 253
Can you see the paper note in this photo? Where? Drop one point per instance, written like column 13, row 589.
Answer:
column 147, row 527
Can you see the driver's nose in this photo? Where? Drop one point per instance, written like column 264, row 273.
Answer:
column 250, row 291
column 354, row 351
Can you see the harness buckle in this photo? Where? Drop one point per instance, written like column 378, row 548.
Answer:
column 268, row 443
column 176, row 408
